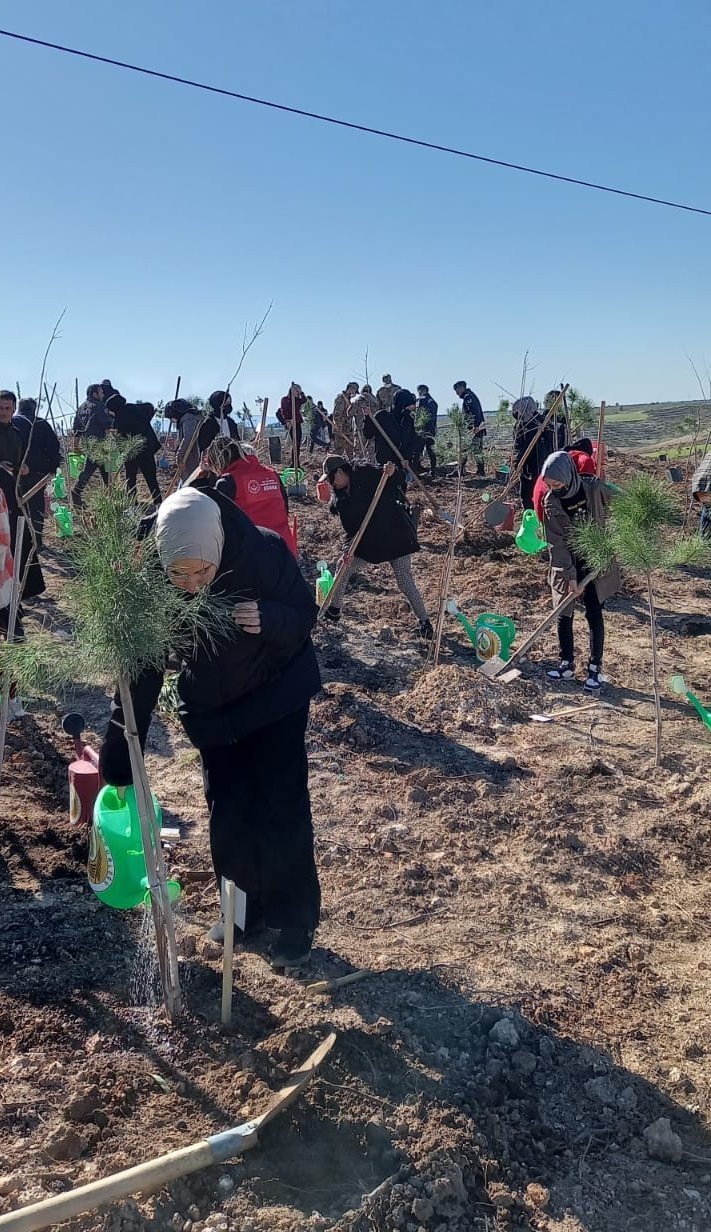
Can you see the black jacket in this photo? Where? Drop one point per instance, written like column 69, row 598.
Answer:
column 245, row 681
column 92, row 420
column 210, row 428
column 472, row 409
column 390, row 425
column 134, row 419
column 427, row 404
column 391, row 532
column 44, row 454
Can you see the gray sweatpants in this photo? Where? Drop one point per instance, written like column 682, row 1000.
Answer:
column 402, row 572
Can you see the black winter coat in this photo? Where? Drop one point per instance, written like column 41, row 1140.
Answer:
column 210, row 428
column 242, row 682
column 390, row 425
column 391, row 531
column 134, row 419
column 44, row 454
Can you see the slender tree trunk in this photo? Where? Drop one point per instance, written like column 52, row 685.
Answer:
column 155, row 868
column 6, row 682
column 655, row 673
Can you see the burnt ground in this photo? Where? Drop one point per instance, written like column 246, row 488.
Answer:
column 532, row 901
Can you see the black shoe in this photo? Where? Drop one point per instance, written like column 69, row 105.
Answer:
column 426, row 631
column 292, row 948
column 595, row 679
column 333, row 614
column 564, row 671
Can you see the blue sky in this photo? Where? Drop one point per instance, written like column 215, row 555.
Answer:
column 164, row 218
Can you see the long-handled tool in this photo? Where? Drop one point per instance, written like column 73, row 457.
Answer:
column 155, row 1173
column 348, row 556
column 440, row 513
column 497, row 668
column 228, row 915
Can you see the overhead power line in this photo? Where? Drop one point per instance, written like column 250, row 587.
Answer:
column 350, row 124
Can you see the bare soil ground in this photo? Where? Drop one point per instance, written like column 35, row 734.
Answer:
column 531, row 899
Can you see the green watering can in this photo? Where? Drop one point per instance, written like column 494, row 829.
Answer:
column 494, row 637
column 77, row 462
column 678, row 686
column 452, row 609
column 117, row 864
column 324, row 581
column 59, row 487
column 529, row 537
column 64, row 518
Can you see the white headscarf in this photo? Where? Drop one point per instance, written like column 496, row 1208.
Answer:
column 189, row 527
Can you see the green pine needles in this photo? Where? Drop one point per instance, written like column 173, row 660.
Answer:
column 644, row 533
column 127, row 616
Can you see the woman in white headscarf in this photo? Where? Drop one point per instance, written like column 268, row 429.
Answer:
column 569, row 498
column 244, row 703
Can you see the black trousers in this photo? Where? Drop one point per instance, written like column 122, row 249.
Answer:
column 145, row 464
column 429, row 446
column 527, row 484
column 261, row 836
column 36, row 506
column 89, row 469
column 596, row 624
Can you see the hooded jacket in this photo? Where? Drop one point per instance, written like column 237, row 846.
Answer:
column 391, row 532
column 584, row 464
column 134, row 419
column 558, row 527
column 92, row 420
column 242, row 682
column 216, row 418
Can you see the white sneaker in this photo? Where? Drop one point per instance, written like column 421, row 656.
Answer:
column 564, row 671
column 595, row 679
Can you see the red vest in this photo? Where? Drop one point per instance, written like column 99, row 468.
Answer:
column 260, row 495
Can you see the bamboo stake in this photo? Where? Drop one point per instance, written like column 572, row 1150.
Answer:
column 494, row 668
column 156, row 1173
column 446, row 575
column 655, row 674
column 41, row 483
column 262, row 438
column 155, row 867
column 11, row 623
column 294, row 437
column 600, row 446
column 415, row 478
column 228, row 916
column 348, row 556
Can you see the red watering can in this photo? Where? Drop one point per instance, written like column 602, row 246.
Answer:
column 85, row 780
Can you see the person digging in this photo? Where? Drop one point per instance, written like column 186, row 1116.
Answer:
column 573, row 498
column 244, row 699
column 390, row 535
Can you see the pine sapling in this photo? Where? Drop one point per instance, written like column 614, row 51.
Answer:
column 127, row 617
column 643, row 533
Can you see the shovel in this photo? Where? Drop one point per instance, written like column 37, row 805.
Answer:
column 153, row 1175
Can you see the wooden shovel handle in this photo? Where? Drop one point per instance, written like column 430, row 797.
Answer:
column 541, row 628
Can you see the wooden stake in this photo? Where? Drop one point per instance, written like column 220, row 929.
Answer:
column 348, row 556
column 339, row 982
column 446, row 576
column 228, row 916
column 262, row 440
column 11, row 623
column 156, row 1173
column 600, row 446
column 155, row 867
column 294, row 437
column 76, row 393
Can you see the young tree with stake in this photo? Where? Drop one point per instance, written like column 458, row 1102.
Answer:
column 642, row 532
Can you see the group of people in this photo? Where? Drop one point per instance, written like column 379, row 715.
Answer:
column 391, row 425
column 244, row 696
